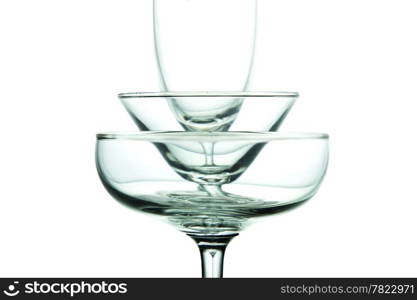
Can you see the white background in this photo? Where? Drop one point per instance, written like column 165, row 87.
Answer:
column 62, row 64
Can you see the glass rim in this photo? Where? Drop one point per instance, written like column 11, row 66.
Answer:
column 211, row 136
column 209, row 94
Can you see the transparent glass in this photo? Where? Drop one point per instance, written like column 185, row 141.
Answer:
column 205, row 45
column 211, row 185
column 209, row 111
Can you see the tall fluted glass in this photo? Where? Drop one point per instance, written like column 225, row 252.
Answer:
column 205, row 45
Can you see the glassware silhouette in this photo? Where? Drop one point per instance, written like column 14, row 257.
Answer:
column 248, row 175
column 205, row 45
column 209, row 111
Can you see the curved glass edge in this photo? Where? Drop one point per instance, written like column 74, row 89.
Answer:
column 209, row 94
column 210, row 136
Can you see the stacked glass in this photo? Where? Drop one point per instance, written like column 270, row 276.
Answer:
column 209, row 163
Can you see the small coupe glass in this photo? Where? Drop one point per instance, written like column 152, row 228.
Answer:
column 209, row 111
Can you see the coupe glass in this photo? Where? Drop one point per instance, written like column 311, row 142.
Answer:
column 205, row 45
column 211, row 197
column 209, row 111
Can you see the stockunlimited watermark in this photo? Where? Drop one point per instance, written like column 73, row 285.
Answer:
column 72, row 289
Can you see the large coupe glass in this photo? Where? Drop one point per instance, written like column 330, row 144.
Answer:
column 212, row 196
column 205, row 45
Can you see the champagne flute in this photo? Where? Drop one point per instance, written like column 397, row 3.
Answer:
column 205, row 45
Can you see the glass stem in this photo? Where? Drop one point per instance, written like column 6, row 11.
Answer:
column 212, row 250
column 208, row 149
column 212, row 189
column 212, row 261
